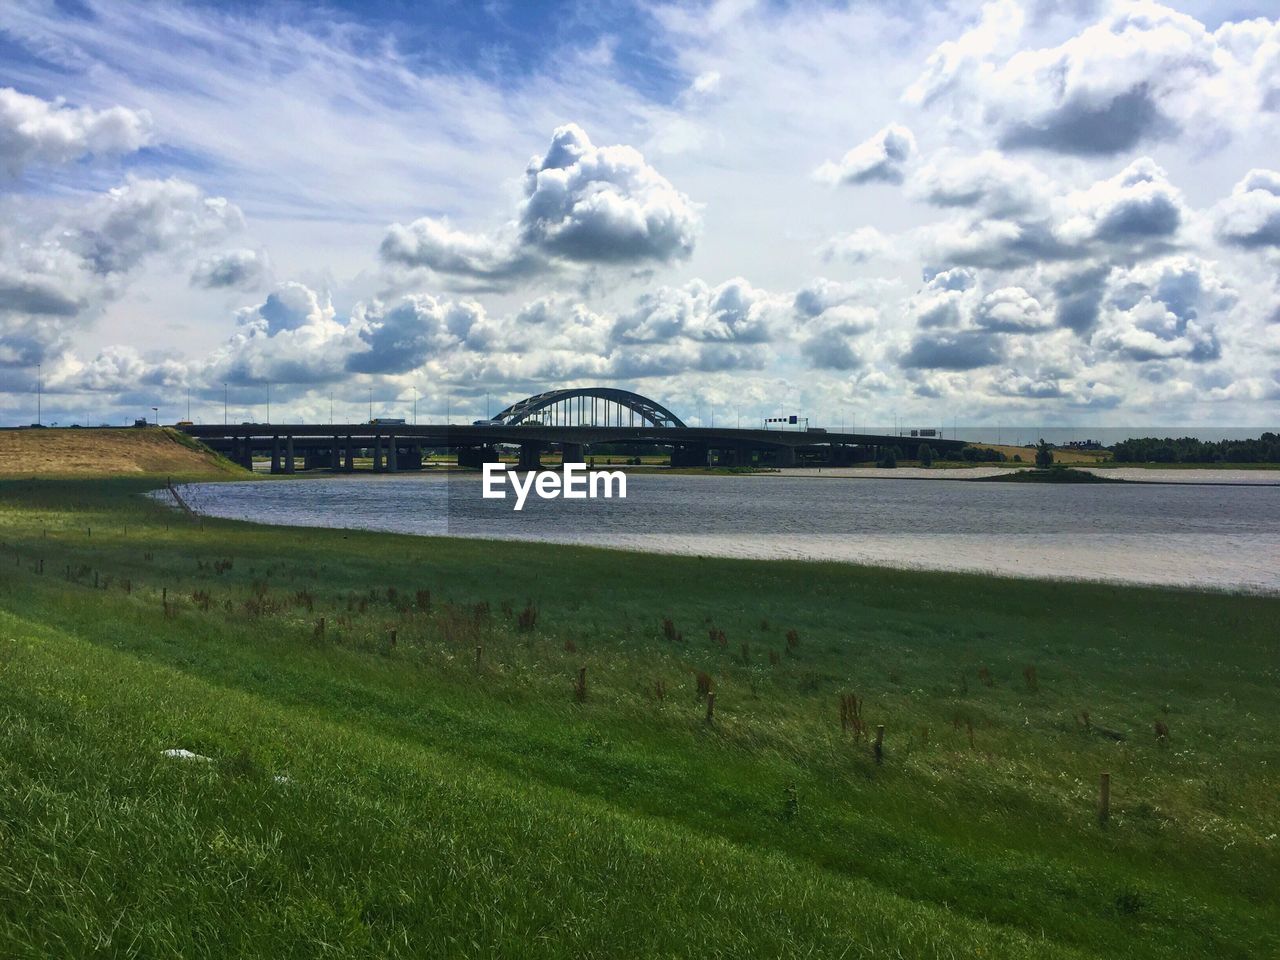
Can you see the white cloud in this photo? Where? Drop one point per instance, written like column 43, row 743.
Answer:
column 582, row 204
column 1250, row 217
column 858, row 246
column 240, row 269
column 878, row 159
column 143, row 217
column 33, row 130
column 1141, row 73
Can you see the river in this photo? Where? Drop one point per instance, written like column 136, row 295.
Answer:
column 1222, row 536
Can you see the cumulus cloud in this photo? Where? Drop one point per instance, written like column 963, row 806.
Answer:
column 989, row 182
column 858, row 246
column 143, row 217
column 1250, row 217
column 1142, row 72
column 962, row 350
column 733, row 311
column 1012, row 310
column 879, row 159
column 1164, row 310
column 829, row 340
column 33, row 130
column 1137, row 213
column 239, row 269
column 582, row 204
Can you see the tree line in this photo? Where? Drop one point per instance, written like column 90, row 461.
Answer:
column 1265, row 449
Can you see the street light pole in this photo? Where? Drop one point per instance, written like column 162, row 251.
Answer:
column 39, row 391
column 224, row 403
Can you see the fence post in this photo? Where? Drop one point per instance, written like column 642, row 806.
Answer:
column 880, row 743
column 711, row 707
column 1104, row 798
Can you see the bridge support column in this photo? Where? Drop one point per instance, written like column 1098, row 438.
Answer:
column 690, row 455
column 393, row 463
column 474, row 458
column 530, row 456
column 377, row 453
column 288, row 454
column 411, row 458
column 335, row 455
column 275, row 454
column 349, row 456
column 786, row 456
column 572, row 453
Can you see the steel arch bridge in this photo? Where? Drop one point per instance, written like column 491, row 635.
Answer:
column 596, row 406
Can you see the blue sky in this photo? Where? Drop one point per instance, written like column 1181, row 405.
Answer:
column 1011, row 211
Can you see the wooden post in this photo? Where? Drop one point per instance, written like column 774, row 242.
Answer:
column 580, row 689
column 711, row 707
column 880, row 743
column 393, row 638
column 95, row 579
column 479, row 654
column 1104, row 798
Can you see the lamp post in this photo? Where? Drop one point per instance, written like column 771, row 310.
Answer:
column 156, row 411
column 224, row 403
column 39, row 390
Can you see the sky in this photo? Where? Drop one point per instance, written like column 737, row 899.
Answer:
column 1018, row 212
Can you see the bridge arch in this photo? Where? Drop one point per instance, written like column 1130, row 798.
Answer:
column 598, row 406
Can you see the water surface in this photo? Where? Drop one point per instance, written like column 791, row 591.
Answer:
column 1209, row 535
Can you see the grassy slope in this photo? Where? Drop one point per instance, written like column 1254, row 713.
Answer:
column 106, row 452
column 437, row 808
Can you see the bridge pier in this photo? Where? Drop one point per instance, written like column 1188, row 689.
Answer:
column 530, row 456
column 288, row 455
column 786, row 456
column 376, row 450
column 690, row 455
column 410, row 458
column 335, row 455
column 475, row 458
column 572, row 453
column 275, row 454
column 393, row 463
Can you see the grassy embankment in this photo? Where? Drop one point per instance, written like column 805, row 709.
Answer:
column 71, row 452
column 375, row 797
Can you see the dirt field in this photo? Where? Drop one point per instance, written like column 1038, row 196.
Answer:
column 100, row 452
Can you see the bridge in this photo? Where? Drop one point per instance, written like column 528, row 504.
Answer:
column 570, row 421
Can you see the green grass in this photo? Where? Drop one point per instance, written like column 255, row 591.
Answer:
column 430, row 806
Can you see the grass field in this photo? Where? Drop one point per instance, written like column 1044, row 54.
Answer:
column 399, row 764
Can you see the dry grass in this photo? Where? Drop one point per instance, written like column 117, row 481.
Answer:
column 1028, row 454
column 102, row 452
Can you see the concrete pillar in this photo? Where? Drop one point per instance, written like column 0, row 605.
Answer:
column 392, row 460
column 474, row 458
column 530, row 456
column 349, row 463
column 335, row 456
column 786, row 456
column 690, row 455
column 572, row 453
column 275, row 454
column 377, row 453
column 288, row 454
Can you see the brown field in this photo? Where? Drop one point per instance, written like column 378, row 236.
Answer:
column 1028, row 454
column 103, row 452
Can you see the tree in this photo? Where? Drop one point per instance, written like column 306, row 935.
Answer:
column 925, row 455
column 889, row 458
column 1044, row 455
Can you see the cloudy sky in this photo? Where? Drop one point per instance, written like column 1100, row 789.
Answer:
column 1017, row 212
